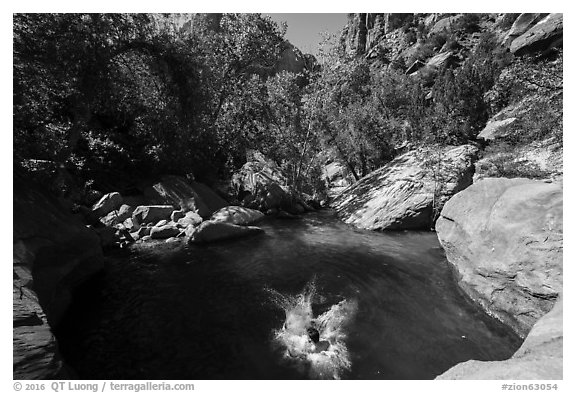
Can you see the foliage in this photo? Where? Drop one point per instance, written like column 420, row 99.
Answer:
column 501, row 160
column 536, row 87
column 119, row 96
column 468, row 23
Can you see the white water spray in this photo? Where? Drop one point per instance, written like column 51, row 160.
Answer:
column 328, row 363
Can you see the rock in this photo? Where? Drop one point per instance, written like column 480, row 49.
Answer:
column 118, row 216
column 336, row 174
column 107, row 203
column 261, row 185
column 521, row 25
column 176, row 215
column 495, row 129
column 143, row 231
column 237, row 215
column 210, row 231
column 91, row 197
column 404, row 193
column 185, row 195
column 415, row 66
column 161, row 223
column 129, row 225
column 163, row 232
column 53, row 252
column 539, row 357
column 445, row 24
column 145, row 238
column 151, row 214
column 545, row 34
column 440, row 60
column 190, row 219
column 504, row 237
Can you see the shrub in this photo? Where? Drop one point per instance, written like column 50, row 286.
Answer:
column 500, row 160
column 468, row 23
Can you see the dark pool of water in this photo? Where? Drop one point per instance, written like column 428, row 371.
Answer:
column 202, row 312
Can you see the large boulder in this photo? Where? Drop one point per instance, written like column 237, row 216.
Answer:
column 545, row 34
column 405, row 193
column 210, row 231
column 107, row 203
column 261, row 185
column 504, row 238
column 53, row 252
column 118, row 216
column 495, row 129
column 445, row 24
column 190, row 219
column 539, row 357
column 151, row 214
column 185, row 195
column 521, row 25
column 164, row 231
column 237, row 215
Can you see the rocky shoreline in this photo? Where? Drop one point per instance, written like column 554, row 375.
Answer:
column 503, row 237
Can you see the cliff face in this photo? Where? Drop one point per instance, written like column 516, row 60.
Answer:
column 393, row 36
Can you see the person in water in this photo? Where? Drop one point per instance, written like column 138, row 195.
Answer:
column 314, row 335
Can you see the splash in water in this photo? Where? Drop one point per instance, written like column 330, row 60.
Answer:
column 328, row 358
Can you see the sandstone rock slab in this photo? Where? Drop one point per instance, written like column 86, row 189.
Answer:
column 237, row 215
column 107, row 203
column 185, row 195
column 546, row 33
column 505, row 240
column 164, row 231
column 210, row 231
column 404, row 193
column 151, row 214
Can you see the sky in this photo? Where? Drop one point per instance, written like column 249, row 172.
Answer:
column 304, row 29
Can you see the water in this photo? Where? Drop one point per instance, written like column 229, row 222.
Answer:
column 386, row 304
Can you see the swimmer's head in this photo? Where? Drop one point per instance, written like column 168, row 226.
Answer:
column 313, row 334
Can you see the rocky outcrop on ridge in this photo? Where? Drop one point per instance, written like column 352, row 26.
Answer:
column 386, row 38
column 237, row 215
column 505, row 240
column 520, row 26
column 405, row 192
column 546, row 34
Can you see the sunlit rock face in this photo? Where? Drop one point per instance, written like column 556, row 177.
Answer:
column 546, row 34
column 505, row 239
column 405, row 193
